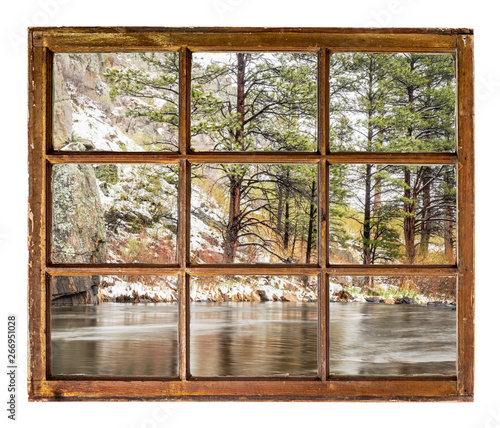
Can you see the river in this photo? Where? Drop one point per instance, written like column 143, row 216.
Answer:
column 248, row 339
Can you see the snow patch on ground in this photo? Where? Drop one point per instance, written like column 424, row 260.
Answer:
column 114, row 286
column 90, row 123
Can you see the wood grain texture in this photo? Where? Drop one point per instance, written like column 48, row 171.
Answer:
column 389, row 158
column 253, row 269
column 184, row 197
column 247, row 390
column 184, row 318
column 250, row 269
column 239, row 30
column 465, row 229
column 324, row 150
column 323, row 327
column 113, row 269
column 37, row 76
column 77, row 40
column 184, row 100
column 323, row 89
column 184, row 254
column 393, row 270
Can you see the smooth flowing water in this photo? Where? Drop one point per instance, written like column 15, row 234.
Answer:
column 249, row 339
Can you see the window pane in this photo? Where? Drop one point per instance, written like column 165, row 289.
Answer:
column 254, row 326
column 114, row 213
column 247, row 213
column 408, row 329
column 116, row 101
column 392, row 102
column 253, row 101
column 392, row 214
column 114, row 325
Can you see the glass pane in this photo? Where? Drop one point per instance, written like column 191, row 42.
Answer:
column 115, row 101
column 114, row 213
column 253, row 101
column 392, row 214
column 392, row 102
column 392, row 326
column 254, row 326
column 114, row 325
column 247, row 213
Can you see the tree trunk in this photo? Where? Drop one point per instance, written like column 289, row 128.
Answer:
column 235, row 180
column 377, row 197
column 234, row 222
column 409, row 219
column 286, row 233
column 240, row 101
column 367, row 216
column 310, row 229
column 409, row 205
column 426, row 213
column 448, row 224
column 294, row 241
column 279, row 213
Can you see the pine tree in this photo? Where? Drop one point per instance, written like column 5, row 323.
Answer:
column 423, row 120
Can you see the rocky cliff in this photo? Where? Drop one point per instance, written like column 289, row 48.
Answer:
column 78, row 232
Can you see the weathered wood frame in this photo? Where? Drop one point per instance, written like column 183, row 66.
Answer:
column 44, row 42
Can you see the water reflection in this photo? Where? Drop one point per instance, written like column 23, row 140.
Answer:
column 392, row 340
column 250, row 339
column 115, row 339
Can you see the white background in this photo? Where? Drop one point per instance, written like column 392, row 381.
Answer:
column 481, row 15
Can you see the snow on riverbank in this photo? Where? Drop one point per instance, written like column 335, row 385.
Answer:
column 117, row 289
column 253, row 289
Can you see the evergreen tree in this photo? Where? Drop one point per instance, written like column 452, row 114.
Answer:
column 423, row 120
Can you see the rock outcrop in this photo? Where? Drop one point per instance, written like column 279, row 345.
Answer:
column 75, row 290
column 62, row 113
column 78, row 232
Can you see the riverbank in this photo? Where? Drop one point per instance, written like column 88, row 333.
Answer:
column 276, row 289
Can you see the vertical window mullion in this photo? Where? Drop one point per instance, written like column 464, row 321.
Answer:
column 184, row 208
column 323, row 208
column 47, row 105
column 465, row 214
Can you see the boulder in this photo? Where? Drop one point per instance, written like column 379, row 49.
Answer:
column 389, row 301
column 405, row 301
column 343, row 296
column 289, row 297
column 75, row 290
column 438, row 304
column 262, row 295
column 374, row 299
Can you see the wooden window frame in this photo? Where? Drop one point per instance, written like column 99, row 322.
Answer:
column 44, row 42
